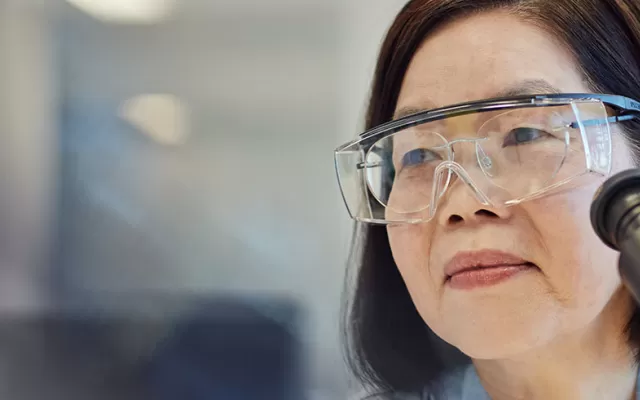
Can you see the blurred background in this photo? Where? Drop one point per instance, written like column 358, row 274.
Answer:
column 171, row 227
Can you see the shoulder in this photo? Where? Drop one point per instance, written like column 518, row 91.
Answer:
column 460, row 384
column 371, row 395
column 374, row 394
column 390, row 396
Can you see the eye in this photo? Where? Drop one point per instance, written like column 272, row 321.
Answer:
column 523, row 135
column 419, row 156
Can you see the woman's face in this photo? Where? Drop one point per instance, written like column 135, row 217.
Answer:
column 575, row 276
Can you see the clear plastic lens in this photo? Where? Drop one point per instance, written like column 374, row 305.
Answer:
column 525, row 149
column 401, row 168
column 350, row 177
column 591, row 118
column 504, row 156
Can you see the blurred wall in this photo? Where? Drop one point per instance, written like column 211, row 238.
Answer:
column 245, row 205
column 363, row 26
column 28, row 156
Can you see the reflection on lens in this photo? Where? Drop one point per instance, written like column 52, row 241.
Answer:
column 524, row 148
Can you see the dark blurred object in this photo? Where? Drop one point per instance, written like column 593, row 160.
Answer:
column 229, row 351
column 221, row 349
column 615, row 216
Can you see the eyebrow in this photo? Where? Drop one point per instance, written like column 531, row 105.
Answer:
column 530, row 86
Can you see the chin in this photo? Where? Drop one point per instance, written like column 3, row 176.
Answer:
column 501, row 333
column 491, row 349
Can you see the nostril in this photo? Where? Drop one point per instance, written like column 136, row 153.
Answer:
column 486, row 213
column 456, row 218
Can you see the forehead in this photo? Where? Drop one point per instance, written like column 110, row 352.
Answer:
column 483, row 55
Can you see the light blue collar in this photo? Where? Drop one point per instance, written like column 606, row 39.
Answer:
column 471, row 387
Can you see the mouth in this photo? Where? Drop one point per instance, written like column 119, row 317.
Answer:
column 470, row 270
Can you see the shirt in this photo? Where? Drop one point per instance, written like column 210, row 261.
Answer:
column 465, row 385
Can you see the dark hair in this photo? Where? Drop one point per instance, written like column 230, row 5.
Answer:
column 389, row 346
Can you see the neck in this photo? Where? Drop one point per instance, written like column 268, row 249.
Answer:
column 594, row 363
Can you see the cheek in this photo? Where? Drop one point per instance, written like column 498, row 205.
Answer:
column 410, row 246
column 581, row 270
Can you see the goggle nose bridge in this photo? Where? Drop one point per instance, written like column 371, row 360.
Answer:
column 481, row 156
column 445, row 171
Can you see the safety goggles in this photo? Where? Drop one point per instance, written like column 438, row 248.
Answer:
column 506, row 150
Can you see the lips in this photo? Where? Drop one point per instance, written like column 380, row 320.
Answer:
column 484, row 266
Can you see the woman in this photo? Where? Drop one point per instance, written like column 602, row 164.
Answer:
column 479, row 273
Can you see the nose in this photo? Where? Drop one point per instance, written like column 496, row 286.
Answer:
column 461, row 205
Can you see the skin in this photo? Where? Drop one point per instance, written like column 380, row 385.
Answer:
column 556, row 332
